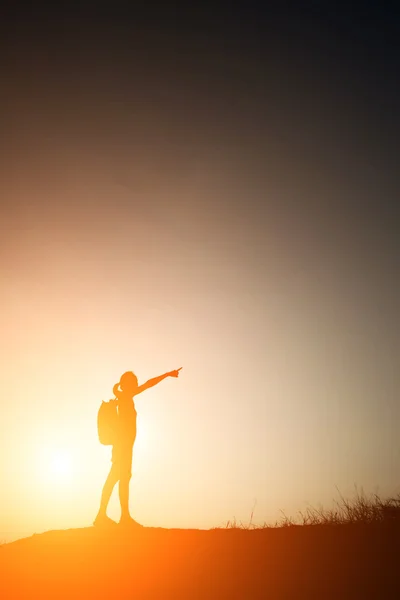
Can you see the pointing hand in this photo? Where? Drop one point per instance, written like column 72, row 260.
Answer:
column 175, row 373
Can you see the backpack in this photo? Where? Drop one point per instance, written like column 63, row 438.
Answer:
column 107, row 422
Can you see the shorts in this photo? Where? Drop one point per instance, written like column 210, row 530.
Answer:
column 121, row 457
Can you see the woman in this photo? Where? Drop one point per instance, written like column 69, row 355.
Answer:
column 124, row 391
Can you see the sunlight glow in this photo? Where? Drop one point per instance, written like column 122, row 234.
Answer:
column 58, row 467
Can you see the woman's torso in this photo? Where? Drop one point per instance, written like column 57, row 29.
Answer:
column 126, row 415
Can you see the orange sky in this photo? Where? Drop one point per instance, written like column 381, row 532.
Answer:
column 136, row 236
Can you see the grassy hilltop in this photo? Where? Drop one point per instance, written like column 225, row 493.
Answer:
column 349, row 553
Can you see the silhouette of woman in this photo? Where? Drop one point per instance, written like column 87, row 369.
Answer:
column 125, row 390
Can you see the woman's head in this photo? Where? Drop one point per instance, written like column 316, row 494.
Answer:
column 128, row 382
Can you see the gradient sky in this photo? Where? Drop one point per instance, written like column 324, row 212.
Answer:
column 219, row 195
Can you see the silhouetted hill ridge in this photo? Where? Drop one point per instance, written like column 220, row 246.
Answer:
column 315, row 561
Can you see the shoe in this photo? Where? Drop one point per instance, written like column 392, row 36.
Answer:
column 103, row 521
column 129, row 522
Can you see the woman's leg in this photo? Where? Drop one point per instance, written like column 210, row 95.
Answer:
column 124, row 495
column 126, row 474
column 111, row 480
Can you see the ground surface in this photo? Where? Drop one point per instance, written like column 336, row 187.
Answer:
column 314, row 562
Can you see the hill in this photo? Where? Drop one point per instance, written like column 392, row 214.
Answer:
column 308, row 561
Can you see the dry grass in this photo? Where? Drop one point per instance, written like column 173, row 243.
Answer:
column 359, row 510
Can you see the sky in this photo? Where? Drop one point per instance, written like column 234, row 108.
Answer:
column 217, row 192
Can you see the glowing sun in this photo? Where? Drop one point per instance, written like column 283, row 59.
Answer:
column 59, row 466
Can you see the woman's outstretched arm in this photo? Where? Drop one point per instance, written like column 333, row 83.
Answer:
column 151, row 382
